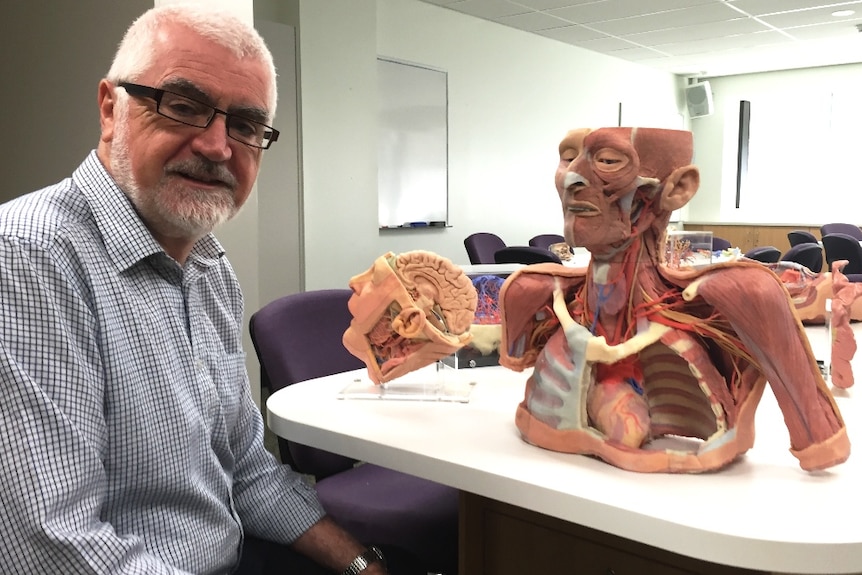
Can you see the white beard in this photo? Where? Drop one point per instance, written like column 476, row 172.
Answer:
column 170, row 208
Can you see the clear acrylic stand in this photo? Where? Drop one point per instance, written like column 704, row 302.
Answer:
column 437, row 382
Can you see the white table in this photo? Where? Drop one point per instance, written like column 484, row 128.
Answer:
column 490, row 269
column 762, row 512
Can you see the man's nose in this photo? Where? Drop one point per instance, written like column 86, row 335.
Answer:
column 213, row 142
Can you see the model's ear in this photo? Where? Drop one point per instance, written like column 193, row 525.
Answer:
column 680, row 187
column 107, row 101
column 409, row 322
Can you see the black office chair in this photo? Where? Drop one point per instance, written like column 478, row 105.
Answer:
column 765, row 254
column 298, row 337
column 797, row 237
column 840, row 246
column 806, row 254
column 525, row 255
column 851, row 230
column 482, row 246
column 719, row 244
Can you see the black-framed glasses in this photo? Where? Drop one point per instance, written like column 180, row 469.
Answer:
column 191, row 112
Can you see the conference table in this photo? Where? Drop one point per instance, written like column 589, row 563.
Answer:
column 529, row 510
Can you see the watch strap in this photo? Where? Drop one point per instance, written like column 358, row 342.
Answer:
column 363, row 560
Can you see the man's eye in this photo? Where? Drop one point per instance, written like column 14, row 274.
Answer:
column 566, row 160
column 185, row 108
column 245, row 127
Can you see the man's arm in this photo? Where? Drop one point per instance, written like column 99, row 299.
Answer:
column 331, row 546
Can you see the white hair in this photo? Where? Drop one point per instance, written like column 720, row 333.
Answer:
column 222, row 27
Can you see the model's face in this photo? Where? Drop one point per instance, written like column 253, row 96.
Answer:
column 374, row 292
column 596, row 180
column 185, row 180
column 401, row 323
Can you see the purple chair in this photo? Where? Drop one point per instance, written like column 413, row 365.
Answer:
column 525, row 255
column 545, row 241
column 298, row 337
column 797, row 237
column 838, row 228
column 840, row 246
column 806, row 254
column 482, row 246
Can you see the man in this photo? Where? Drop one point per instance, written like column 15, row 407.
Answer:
column 130, row 440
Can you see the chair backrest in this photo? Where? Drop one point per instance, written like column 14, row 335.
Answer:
column 298, row 337
column 840, row 246
column 545, row 241
column 765, row 254
column 808, row 254
column 720, row 244
column 482, row 246
column 838, row 228
column 797, row 237
column 525, row 255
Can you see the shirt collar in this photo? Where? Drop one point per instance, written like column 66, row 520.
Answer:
column 126, row 238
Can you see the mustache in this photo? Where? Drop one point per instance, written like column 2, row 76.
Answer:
column 203, row 169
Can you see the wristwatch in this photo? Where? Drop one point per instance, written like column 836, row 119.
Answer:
column 363, row 560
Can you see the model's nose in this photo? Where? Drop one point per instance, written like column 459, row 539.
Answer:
column 575, row 179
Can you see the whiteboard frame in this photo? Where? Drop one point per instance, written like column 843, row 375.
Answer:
column 412, row 145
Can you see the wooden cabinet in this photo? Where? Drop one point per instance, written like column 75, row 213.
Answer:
column 500, row 539
column 747, row 236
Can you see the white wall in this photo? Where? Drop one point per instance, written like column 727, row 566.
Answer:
column 715, row 140
column 512, row 97
column 52, row 56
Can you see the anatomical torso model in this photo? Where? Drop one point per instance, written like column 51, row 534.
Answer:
column 651, row 368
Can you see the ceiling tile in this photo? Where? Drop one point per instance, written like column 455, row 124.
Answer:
column 488, row 9
column 698, row 32
column 802, row 18
column 826, row 31
column 606, row 44
column 689, row 37
column 632, row 10
column 730, row 43
column 532, row 22
column 760, row 7
column 550, row 4
column 571, row 34
column 637, row 54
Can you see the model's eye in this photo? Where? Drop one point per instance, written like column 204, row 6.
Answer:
column 610, row 160
column 567, row 156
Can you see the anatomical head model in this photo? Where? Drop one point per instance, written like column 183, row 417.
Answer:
column 408, row 311
column 629, row 351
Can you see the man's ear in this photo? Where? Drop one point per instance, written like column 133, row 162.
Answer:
column 680, row 187
column 107, row 101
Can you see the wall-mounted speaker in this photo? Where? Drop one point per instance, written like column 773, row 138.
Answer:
column 698, row 98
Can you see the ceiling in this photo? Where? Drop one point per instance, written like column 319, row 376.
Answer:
column 702, row 38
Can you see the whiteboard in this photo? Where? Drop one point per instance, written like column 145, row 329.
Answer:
column 412, row 150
